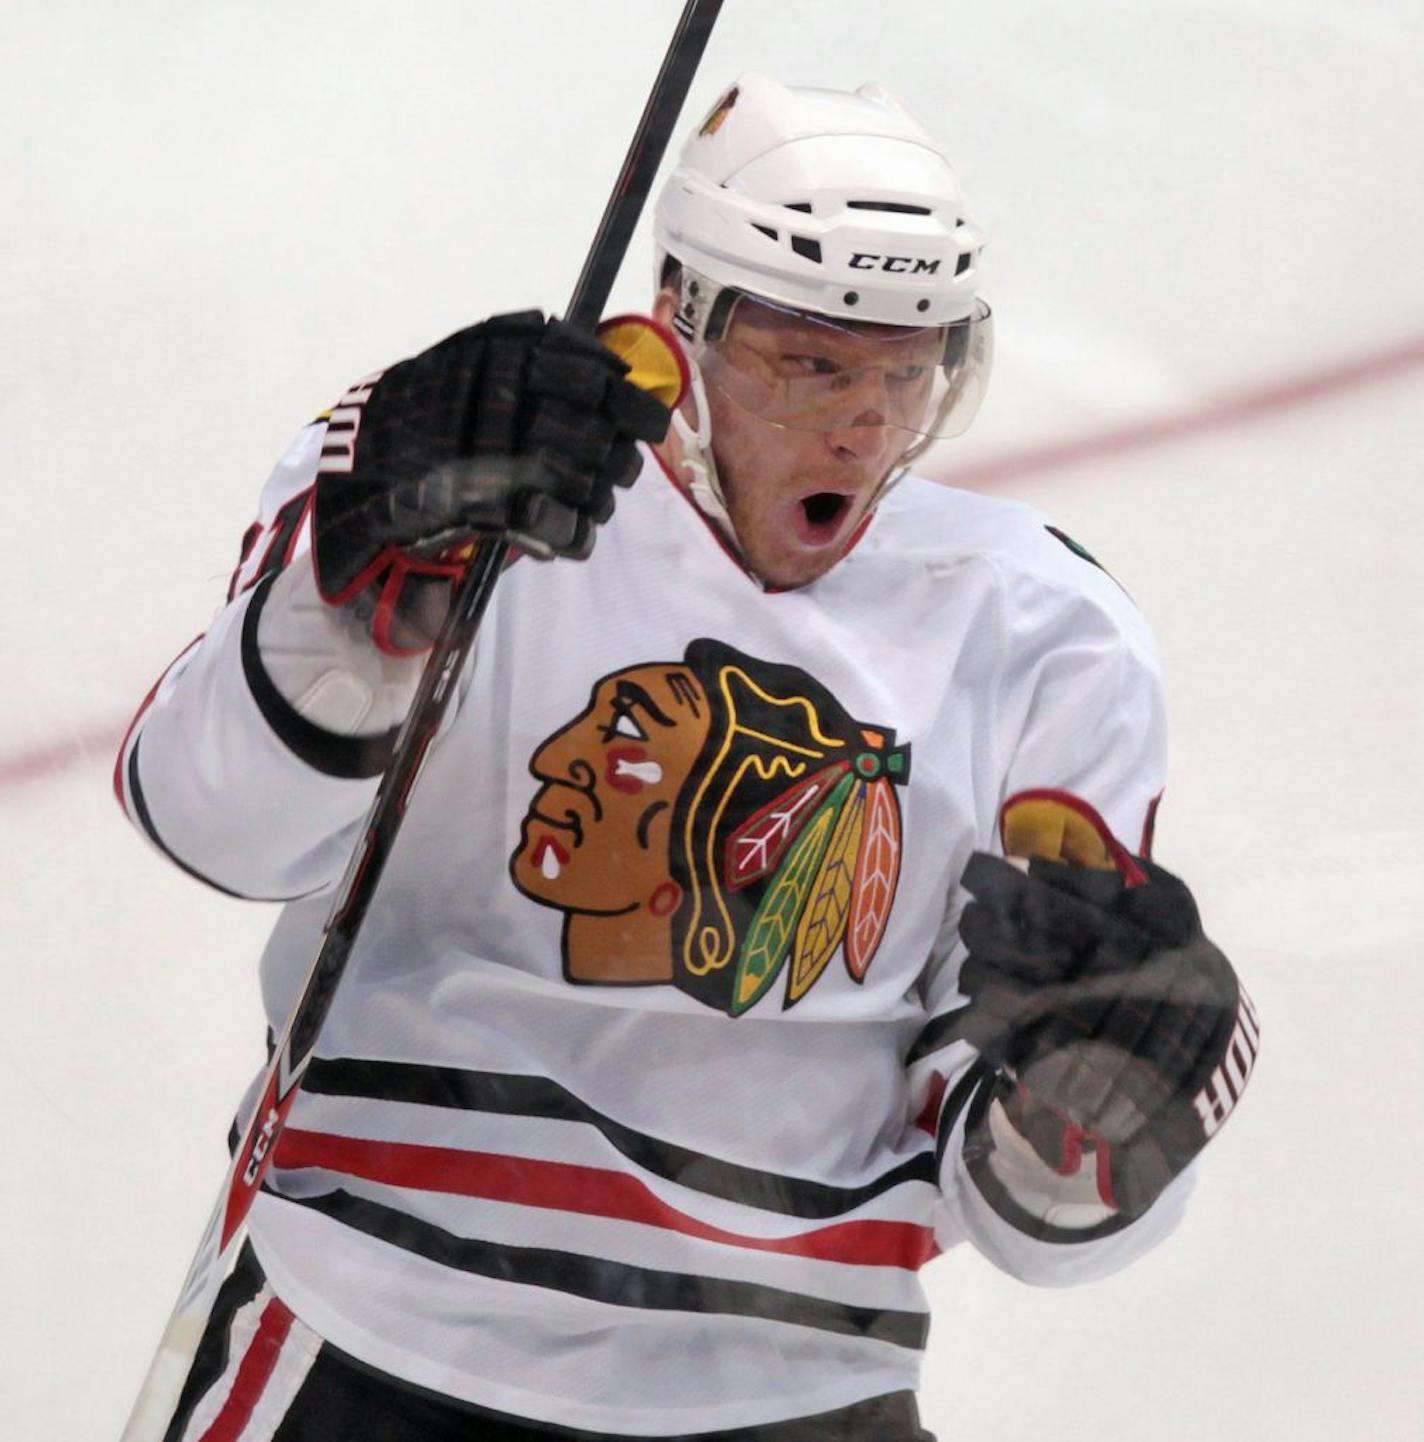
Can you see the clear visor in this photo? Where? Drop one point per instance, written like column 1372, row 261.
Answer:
column 807, row 372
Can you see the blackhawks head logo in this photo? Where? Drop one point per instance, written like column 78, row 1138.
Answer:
column 715, row 824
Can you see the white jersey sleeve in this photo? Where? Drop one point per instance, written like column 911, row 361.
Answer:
column 1087, row 678
column 258, row 752
column 1082, row 692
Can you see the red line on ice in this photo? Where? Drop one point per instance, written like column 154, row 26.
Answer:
column 1224, row 413
column 95, row 745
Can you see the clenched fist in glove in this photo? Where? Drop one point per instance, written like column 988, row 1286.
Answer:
column 1117, row 1028
column 519, row 427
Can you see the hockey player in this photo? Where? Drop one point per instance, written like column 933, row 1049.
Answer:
column 698, row 1007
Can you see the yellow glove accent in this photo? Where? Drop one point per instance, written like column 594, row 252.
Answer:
column 655, row 360
column 1059, row 826
column 1047, row 827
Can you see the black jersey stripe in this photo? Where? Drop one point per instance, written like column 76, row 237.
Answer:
column 145, row 820
column 977, row 1081
column 615, row 1283
column 141, row 815
column 351, row 758
column 937, row 1033
column 534, row 1096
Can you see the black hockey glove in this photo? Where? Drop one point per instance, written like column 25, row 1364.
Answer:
column 1115, row 1024
column 518, row 427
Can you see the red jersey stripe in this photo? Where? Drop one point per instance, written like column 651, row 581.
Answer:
column 593, row 1191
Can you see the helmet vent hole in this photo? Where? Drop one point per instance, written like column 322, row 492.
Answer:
column 852, row 297
column 922, row 305
column 766, row 230
column 894, row 207
column 804, row 206
column 805, row 246
column 964, row 262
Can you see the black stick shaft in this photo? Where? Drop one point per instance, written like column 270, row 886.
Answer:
column 640, row 165
column 452, row 647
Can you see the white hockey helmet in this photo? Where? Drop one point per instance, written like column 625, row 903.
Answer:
column 823, row 200
column 835, row 206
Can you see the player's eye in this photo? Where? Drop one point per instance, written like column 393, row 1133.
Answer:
column 811, row 365
column 908, row 375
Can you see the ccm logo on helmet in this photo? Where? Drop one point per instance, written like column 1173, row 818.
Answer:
column 863, row 260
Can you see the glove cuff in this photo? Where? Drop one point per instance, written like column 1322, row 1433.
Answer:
column 1042, row 1201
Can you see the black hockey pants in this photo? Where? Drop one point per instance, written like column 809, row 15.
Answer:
column 262, row 1375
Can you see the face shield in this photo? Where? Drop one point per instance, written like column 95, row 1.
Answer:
column 807, row 372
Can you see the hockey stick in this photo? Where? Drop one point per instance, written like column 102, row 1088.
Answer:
column 158, row 1399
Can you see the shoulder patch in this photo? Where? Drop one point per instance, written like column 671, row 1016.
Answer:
column 1077, row 550
column 718, row 113
column 1083, row 553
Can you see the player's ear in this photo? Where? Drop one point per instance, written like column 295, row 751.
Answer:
column 665, row 306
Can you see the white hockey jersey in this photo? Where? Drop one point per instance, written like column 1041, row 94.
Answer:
column 636, row 1111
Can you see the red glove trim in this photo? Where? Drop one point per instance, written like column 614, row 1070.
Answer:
column 358, row 583
column 401, row 567
column 1149, row 827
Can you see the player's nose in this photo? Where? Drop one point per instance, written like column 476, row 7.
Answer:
column 864, row 437
column 859, row 428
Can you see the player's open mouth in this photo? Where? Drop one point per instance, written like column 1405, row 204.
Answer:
column 818, row 517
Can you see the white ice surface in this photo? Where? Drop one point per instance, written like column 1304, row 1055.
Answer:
column 215, row 215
